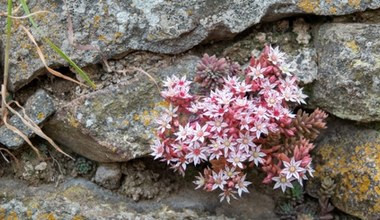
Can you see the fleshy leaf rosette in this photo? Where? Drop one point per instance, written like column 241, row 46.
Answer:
column 244, row 122
column 211, row 71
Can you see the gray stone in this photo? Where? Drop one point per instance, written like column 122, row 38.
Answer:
column 348, row 81
column 41, row 166
column 142, row 183
column 38, row 107
column 115, row 123
column 307, row 67
column 82, row 199
column 118, row 27
column 108, row 175
column 301, row 28
column 349, row 154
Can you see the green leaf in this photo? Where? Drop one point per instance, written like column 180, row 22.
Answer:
column 72, row 63
column 27, row 11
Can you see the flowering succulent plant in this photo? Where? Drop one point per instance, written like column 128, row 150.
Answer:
column 244, row 121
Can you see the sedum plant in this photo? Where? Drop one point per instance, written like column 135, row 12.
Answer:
column 244, row 120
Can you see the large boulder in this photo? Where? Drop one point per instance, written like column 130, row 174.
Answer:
column 118, row 27
column 350, row 155
column 348, row 83
column 117, row 122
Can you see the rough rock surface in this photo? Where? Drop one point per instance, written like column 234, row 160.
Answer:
column 38, row 108
column 307, row 68
column 142, row 183
column 116, row 123
column 117, row 27
column 108, row 175
column 81, row 199
column 348, row 83
column 350, row 156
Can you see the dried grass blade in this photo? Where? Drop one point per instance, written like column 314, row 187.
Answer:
column 29, row 123
column 36, row 129
column 8, row 152
column 16, row 130
column 42, row 57
column 23, row 136
column 143, row 72
column 13, row 11
column 57, row 49
column 6, row 160
column 27, row 16
column 147, row 74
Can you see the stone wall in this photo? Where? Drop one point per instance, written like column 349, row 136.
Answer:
column 335, row 44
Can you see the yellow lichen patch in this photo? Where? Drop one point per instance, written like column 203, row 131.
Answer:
column 41, row 17
column 145, row 112
column 96, row 21
column 77, row 193
column 356, row 170
column 354, row 3
column 29, row 213
column 102, row 38
column 155, row 113
column 27, row 46
column 117, row 35
column 24, row 65
column 33, row 204
column 46, row 216
column 377, row 157
column 40, row 115
column 2, row 213
column 150, row 37
column 364, row 184
column 72, row 121
column 327, row 151
column 164, row 104
column 146, row 118
column 353, row 46
column 136, row 117
column 356, row 63
column 309, row 6
column 12, row 216
column 377, row 189
column 333, row 10
column 189, row 12
column 126, row 122
column 376, row 207
column 78, row 217
column 16, row 23
column 113, row 149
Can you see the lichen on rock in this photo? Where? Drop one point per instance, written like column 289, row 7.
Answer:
column 348, row 81
column 350, row 156
column 116, row 123
column 123, row 26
